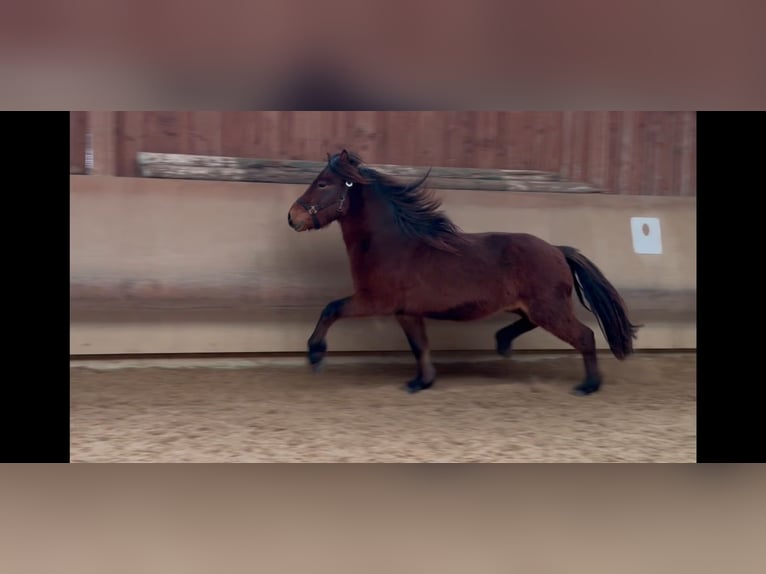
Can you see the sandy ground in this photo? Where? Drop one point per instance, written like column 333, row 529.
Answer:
column 481, row 409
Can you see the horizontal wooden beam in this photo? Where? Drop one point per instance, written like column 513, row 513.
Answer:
column 184, row 166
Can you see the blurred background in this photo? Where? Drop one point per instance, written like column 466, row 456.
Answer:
column 192, row 253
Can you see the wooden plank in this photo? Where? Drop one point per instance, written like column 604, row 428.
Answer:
column 367, row 134
column 410, row 124
column 427, row 138
column 129, row 142
column 637, row 167
column 499, row 135
column 77, row 130
column 665, row 160
column 282, row 176
column 259, row 131
column 653, row 151
column 624, row 166
column 453, row 139
column 354, row 136
column 597, row 158
column 349, row 135
column 613, row 163
column 285, row 135
column 549, row 153
column 388, row 152
column 162, row 132
column 486, row 136
column 336, row 134
column 557, row 123
column 296, row 171
column 400, row 143
column 567, row 159
column 505, row 143
column 205, row 133
column 675, row 181
column 536, row 138
column 146, row 158
column 313, row 135
column 579, row 145
column 269, row 134
column 103, row 134
column 688, row 167
column 523, row 141
column 236, row 135
column 468, row 138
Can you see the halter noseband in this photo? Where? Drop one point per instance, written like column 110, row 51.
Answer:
column 317, row 207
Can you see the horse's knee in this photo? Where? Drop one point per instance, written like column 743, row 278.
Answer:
column 333, row 309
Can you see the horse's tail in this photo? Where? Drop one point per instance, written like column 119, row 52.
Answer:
column 605, row 302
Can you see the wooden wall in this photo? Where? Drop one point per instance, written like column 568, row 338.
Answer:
column 636, row 153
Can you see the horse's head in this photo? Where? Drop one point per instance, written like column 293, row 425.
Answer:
column 329, row 195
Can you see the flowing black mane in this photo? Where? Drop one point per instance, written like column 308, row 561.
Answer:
column 415, row 208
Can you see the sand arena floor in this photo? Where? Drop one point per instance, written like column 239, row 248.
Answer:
column 482, row 409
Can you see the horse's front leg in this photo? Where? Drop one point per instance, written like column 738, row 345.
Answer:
column 340, row 309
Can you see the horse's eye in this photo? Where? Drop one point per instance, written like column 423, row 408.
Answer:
column 322, row 185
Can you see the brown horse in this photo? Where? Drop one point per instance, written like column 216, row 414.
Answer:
column 410, row 261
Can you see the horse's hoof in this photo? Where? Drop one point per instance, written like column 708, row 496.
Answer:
column 417, row 385
column 317, row 367
column 502, row 349
column 586, row 388
column 316, row 355
column 316, row 360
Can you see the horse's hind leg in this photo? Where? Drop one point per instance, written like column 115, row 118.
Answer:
column 415, row 330
column 505, row 336
column 559, row 319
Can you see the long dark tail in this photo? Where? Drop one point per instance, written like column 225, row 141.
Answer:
column 605, row 302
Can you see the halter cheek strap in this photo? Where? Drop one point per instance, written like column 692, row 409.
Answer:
column 316, row 208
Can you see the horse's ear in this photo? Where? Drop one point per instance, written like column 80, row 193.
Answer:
column 329, row 157
column 344, row 155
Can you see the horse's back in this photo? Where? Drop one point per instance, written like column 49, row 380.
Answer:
column 513, row 247
column 529, row 263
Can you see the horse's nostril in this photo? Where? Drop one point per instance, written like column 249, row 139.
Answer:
column 289, row 220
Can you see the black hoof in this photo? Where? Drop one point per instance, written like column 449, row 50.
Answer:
column 503, row 348
column 504, row 352
column 317, row 367
column 417, row 385
column 316, row 356
column 586, row 388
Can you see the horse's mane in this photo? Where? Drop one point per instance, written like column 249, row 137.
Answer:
column 415, row 208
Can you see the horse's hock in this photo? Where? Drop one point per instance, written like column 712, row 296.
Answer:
column 184, row 266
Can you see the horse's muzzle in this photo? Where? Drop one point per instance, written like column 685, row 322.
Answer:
column 297, row 226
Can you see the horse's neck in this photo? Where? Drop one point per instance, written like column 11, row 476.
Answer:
column 368, row 224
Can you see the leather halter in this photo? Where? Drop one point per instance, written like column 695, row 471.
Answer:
column 317, row 207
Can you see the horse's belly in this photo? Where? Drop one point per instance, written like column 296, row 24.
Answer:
column 463, row 312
